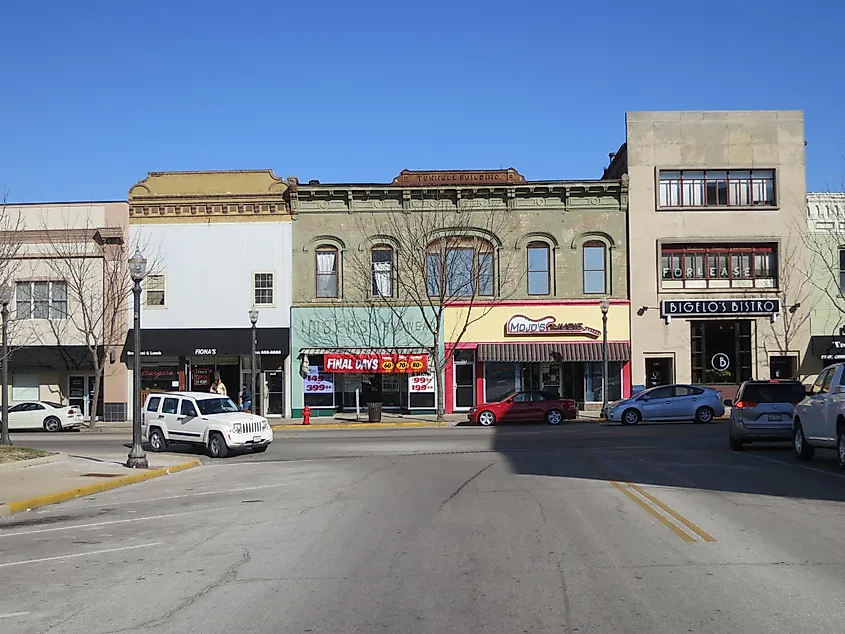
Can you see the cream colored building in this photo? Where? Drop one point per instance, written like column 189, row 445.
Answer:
column 716, row 213
column 65, row 307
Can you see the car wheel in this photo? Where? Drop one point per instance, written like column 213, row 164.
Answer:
column 260, row 449
column 554, row 417
column 802, row 450
column 631, row 417
column 52, row 424
column 840, row 448
column 158, row 442
column 736, row 445
column 486, row 418
column 217, row 446
column 704, row 415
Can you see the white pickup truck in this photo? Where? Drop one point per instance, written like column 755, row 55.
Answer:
column 820, row 418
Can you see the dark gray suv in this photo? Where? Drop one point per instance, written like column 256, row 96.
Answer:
column 763, row 411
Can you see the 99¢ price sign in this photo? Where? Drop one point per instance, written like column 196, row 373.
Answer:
column 317, row 381
column 418, row 383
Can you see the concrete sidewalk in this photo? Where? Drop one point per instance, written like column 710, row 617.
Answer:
column 31, row 484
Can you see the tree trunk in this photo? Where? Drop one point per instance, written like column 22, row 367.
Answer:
column 98, row 376
column 438, row 387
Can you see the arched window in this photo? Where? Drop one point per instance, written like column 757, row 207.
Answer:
column 381, row 261
column 328, row 271
column 595, row 267
column 539, row 268
column 459, row 267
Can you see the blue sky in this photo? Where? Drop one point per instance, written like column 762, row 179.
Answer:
column 96, row 93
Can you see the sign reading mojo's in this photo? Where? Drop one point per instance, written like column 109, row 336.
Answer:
column 717, row 307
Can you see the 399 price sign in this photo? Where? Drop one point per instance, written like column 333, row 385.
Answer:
column 418, row 383
column 316, row 381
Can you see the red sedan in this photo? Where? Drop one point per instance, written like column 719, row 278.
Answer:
column 525, row 406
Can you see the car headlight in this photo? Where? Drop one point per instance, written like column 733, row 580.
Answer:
column 265, row 426
column 236, row 428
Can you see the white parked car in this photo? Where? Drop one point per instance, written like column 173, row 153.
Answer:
column 203, row 418
column 820, row 418
column 44, row 415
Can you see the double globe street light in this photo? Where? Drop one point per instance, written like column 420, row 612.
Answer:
column 5, row 300
column 253, row 319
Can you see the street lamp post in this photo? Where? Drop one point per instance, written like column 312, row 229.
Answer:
column 137, row 269
column 5, row 298
column 605, row 306
column 253, row 319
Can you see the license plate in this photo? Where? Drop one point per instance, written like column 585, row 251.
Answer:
column 258, row 438
column 774, row 418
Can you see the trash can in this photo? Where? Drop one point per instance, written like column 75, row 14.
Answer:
column 374, row 412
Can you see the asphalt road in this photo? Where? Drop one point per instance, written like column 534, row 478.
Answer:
column 584, row 528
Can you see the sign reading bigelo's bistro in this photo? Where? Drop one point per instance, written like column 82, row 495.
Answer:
column 715, row 307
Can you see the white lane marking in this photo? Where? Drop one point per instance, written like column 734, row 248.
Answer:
column 98, row 524
column 800, row 466
column 187, row 495
column 12, row 615
column 88, row 554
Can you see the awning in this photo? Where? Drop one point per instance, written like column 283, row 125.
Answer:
column 57, row 358
column 195, row 342
column 542, row 352
column 314, row 352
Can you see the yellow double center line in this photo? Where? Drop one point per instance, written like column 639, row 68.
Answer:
column 643, row 499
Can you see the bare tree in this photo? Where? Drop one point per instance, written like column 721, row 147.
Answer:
column 824, row 241
column 11, row 225
column 447, row 252
column 92, row 261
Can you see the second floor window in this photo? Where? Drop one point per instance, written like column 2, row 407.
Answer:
column 539, row 269
column 264, row 287
column 41, row 300
column 328, row 267
column 595, row 268
column 719, row 266
column 154, row 289
column 382, row 266
column 716, row 188
column 459, row 268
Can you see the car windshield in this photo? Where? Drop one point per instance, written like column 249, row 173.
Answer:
column 210, row 406
column 773, row 392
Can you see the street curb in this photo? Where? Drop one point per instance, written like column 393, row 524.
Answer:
column 33, row 462
column 362, row 425
column 10, row 508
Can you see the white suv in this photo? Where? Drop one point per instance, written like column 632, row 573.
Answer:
column 820, row 418
column 202, row 418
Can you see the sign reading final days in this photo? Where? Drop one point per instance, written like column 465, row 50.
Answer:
column 716, row 307
column 520, row 325
column 375, row 363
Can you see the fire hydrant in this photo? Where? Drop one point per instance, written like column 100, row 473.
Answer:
column 306, row 415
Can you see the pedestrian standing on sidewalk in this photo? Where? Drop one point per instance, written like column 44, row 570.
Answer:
column 213, row 387
column 221, row 387
column 246, row 399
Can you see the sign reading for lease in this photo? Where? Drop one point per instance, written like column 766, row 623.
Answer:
column 375, row 363
column 520, row 325
column 701, row 307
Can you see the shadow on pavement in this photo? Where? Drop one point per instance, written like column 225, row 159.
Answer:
column 683, row 455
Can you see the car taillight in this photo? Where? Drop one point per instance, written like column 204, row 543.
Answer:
column 744, row 404
column 71, row 412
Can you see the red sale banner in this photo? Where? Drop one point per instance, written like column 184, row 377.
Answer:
column 375, row 363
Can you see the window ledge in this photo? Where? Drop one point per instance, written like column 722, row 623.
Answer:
column 767, row 290
column 723, row 208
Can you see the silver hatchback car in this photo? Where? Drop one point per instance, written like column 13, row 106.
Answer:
column 763, row 411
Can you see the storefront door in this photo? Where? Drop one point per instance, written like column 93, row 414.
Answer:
column 464, row 364
column 81, row 394
column 658, row 371
column 274, row 382
column 721, row 351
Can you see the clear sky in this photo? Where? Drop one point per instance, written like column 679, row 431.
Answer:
column 96, row 93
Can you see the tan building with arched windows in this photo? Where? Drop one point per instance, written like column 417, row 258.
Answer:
column 447, row 288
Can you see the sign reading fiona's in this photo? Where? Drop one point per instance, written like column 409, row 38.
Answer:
column 718, row 307
column 520, row 325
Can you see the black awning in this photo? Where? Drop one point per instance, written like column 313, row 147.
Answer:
column 828, row 348
column 195, row 342
column 57, row 358
column 569, row 351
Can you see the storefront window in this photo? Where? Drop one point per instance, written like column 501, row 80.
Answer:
column 318, row 386
column 501, row 379
column 721, row 351
column 593, row 382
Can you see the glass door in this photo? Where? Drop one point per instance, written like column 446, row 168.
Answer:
column 464, row 364
column 81, row 395
column 274, row 382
